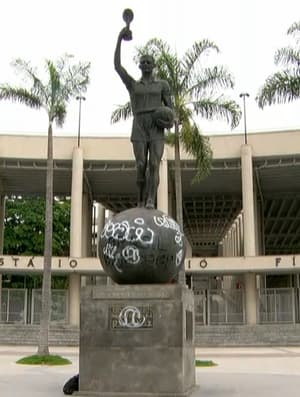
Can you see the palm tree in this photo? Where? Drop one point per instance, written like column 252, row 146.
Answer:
column 196, row 90
column 64, row 80
column 284, row 85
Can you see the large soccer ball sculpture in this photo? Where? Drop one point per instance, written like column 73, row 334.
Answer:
column 141, row 246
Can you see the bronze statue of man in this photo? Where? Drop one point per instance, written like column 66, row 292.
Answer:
column 147, row 96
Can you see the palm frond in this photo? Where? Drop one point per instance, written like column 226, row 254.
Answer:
column 288, row 56
column 60, row 113
column 66, row 80
column 219, row 108
column 211, row 79
column 192, row 56
column 123, row 112
column 20, row 95
column 74, row 77
column 281, row 87
column 294, row 28
column 198, row 146
column 183, row 112
column 168, row 68
column 54, row 81
column 284, row 85
column 30, row 75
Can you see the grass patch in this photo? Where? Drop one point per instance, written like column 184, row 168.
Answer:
column 205, row 363
column 44, row 360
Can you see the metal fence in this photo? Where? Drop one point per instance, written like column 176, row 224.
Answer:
column 13, row 305
column 221, row 306
column 200, row 307
column 226, row 306
column 212, row 306
column 24, row 306
column 277, row 305
column 59, row 307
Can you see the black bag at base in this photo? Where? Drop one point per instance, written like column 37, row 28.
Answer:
column 71, row 385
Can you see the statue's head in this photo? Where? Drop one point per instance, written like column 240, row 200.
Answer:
column 147, row 63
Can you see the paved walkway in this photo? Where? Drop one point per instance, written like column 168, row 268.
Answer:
column 250, row 372
column 245, row 372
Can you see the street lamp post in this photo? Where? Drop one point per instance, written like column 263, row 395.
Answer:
column 245, row 95
column 79, row 98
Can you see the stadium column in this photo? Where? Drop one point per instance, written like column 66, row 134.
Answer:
column 189, row 250
column 225, row 246
column 220, row 249
column 230, row 239
column 76, row 233
column 110, row 214
column 238, row 235
column 2, row 217
column 100, row 222
column 249, row 230
column 162, row 191
column 87, row 225
column 87, row 241
column 234, row 252
column 242, row 233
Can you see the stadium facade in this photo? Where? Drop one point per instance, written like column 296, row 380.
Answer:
column 242, row 223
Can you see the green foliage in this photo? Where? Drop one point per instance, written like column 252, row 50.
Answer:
column 198, row 146
column 284, row 85
column 64, row 80
column 205, row 363
column 123, row 112
column 44, row 360
column 25, row 226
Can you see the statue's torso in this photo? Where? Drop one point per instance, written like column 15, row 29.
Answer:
column 146, row 97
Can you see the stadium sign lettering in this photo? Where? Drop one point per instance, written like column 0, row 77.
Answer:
column 278, row 259
column 202, row 264
column 32, row 263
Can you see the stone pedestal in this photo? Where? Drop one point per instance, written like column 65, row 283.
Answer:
column 137, row 340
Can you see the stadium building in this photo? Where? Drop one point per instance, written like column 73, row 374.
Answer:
column 242, row 225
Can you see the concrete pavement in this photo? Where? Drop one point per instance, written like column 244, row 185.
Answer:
column 248, row 372
column 245, row 372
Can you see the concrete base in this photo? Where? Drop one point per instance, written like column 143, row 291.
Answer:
column 137, row 340
column 191, row 393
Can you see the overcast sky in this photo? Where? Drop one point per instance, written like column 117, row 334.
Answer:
column 248, row 32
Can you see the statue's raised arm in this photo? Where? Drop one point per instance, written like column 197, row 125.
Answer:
column 125, row 34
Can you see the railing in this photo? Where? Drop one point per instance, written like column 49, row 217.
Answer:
column 200, row 307
column 220, row 306
column 59, row 307
column 24, row 306
column 277, row 305
column 226, row 306
column 13, row 305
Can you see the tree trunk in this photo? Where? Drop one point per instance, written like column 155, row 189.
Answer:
column 178, row 195
column 43, row 348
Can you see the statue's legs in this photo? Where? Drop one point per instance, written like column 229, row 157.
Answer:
column 140, row 150
column 156, row 149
